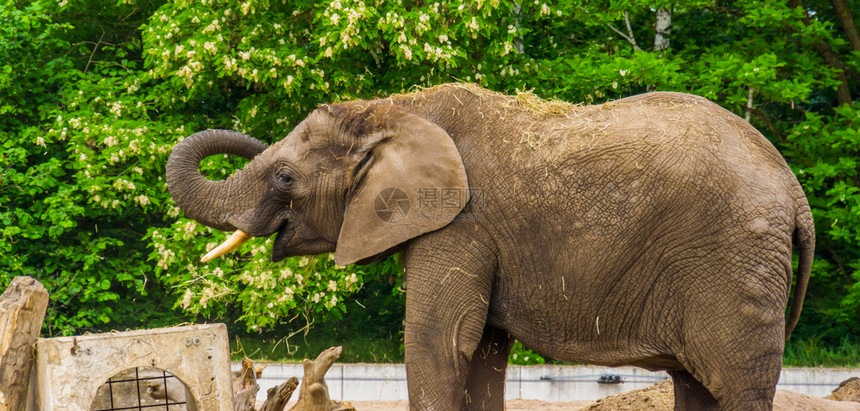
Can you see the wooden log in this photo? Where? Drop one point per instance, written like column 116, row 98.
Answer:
column 22, row 309
column 313, row 394
column 246, row 388
column 277, row 397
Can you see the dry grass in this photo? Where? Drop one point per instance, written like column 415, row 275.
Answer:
column 528, row 100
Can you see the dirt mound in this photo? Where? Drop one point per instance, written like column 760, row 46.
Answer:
column 788, row 400
column 661, row 396
column 848, row 390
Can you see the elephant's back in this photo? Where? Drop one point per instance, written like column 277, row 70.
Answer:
column 679, row 122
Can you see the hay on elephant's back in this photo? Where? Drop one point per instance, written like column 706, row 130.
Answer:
column 569, row 120
column 531, row 102
column 526, row 100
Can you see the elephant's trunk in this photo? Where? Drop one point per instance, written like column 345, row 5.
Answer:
column 209, row 202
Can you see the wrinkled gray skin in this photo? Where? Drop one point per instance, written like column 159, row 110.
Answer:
column 655, row 231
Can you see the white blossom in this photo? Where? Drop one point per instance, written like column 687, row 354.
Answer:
column 186, row 298
column 189, row 227
column 123, row 184
column 472, row 24
column 142, row 200
column 214, row 26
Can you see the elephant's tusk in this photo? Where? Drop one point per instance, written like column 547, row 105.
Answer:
column 237, row 239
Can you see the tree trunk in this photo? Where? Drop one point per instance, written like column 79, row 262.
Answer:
column 313, row 394
column 245, row 388
column 664, row 27
column 843, row 94
column 847, row 20
column 278, row 397
column 518, row 42
column 22, row 309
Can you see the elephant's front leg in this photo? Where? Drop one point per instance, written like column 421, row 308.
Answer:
column 447, row 298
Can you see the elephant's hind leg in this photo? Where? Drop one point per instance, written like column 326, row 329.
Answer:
column 690, row 394
column 738, row 363
column 738, row 369
column 485, row 384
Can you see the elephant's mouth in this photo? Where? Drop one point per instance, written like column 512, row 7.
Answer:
column 285, row 234
column 279, row 251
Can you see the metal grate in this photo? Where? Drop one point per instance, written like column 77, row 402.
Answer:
column 120, row 397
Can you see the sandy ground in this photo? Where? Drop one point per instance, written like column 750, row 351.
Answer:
column 660, row 397
column 513, row 405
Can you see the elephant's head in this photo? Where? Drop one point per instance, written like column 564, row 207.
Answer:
column 345, row 180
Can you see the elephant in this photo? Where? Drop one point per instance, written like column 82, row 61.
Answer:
column 655, row 230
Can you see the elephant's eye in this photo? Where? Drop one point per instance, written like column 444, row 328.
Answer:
column 284, row 177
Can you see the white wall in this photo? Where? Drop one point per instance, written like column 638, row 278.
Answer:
column 387, row 382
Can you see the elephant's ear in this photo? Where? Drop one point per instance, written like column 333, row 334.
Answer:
column 409, row 180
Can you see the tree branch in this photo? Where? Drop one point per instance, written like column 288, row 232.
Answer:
column 95, row 48
column 629, row 36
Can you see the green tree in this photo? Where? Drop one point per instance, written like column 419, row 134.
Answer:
column 93, row 95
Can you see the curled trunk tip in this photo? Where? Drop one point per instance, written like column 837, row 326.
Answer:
column 201, row 199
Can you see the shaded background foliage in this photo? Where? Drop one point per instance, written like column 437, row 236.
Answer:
column 94, row 94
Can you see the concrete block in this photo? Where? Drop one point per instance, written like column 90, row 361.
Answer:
column 816, row 382
column 371, row 382
column 70, row 370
